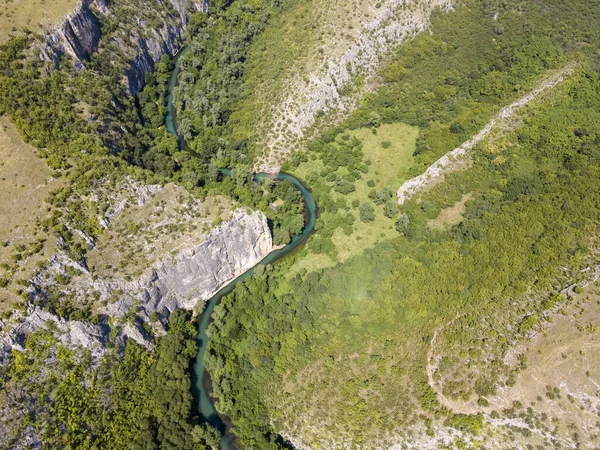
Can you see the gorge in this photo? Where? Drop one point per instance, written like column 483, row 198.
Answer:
column 201, row 394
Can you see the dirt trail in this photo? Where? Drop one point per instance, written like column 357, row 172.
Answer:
column 456, row 159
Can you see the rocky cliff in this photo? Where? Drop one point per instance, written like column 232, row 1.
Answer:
column 189, row 278
column 77, row 35
column 139, row 33
column 197, row 273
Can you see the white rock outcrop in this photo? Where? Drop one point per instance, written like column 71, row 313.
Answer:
column 307, row 95
column 455, row 159
column 197, row 273
column 191, row 277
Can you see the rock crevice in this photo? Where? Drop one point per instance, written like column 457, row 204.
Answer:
column 80, row 33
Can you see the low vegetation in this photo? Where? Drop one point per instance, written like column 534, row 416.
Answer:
column 342, row 330
column 171, row 221
column 34, row 15
column 25, row 182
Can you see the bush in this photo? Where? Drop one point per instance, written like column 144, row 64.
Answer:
column 390, row 209
column 367, row 213
column 402, row 223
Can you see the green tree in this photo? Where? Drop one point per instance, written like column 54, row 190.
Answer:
column 366, row 212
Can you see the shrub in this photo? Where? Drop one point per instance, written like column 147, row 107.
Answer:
column 402, row 223
column 367, row 213
column 390, row 209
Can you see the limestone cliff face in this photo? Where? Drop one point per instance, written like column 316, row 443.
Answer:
column 197, row 273
column 150, row 31
column 191, row 277
column 77, row 35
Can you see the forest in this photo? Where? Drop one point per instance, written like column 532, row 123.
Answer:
column 289, row 336
column 139, row 400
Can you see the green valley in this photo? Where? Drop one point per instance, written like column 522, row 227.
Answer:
column 167, row 282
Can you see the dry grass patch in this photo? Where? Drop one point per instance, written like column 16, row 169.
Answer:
column 169, row 222
column 566, row 354
column 25, row 182
column 451, row 216
column 35, row 15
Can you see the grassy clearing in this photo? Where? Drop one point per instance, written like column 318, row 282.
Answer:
column 25, row 182
column 35, row 15
column 390, row 154
column 450, row 216
column 141, row 235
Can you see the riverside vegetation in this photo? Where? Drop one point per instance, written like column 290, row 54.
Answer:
column 341, row 329
column 96, row 138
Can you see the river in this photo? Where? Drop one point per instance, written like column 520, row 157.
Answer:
column 200, row 379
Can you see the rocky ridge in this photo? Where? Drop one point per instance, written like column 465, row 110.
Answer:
column 308, row 96
column 191, row 277
column 455, row 159
column 195, row 274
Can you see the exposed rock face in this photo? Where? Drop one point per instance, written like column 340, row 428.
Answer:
column 192, row 276
column 78, row 33
column 143, row 45
column 70, row 333
column 196, row 274
column 307, row 93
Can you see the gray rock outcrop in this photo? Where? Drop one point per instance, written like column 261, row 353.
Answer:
column 191, row 277
column 77, row 35
column 143, row 45
column 197, row 273
column 70, row 333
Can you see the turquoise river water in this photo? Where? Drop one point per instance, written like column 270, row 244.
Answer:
column 200, row 378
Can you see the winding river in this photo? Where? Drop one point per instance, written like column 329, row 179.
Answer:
column 200, row 378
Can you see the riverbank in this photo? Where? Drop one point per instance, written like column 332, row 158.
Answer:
column 201, row 381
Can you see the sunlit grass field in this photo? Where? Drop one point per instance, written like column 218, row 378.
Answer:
column 390, row 152
column 34, row 15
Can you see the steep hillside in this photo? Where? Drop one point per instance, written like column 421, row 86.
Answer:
column 299, row 79
column 118, row 228
column 446, row 297
column 339, row 346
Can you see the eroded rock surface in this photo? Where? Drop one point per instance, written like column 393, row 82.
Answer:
column 79, row 34
column 197, row 273
column 191, row 277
